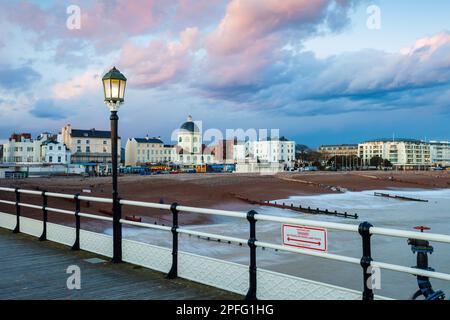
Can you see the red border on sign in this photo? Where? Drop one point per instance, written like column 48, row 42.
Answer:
column 308, row 228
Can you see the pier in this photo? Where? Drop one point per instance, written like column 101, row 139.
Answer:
column 37, row 270
column 38, row 253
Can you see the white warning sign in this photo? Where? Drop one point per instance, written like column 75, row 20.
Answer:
column 305, row 237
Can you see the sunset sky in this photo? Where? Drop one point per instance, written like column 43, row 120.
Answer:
column 311, row 68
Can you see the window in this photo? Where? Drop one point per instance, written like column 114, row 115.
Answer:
column 180, row 139
column 50, row 148
column 105, row 142
column 59, row 159
column 50, row 159
column 88, row 149
column 87, row 141
column 78, row 141
column 59, row 148
column 78, row 149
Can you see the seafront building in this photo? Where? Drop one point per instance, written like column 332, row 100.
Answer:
column 224, row 151
column 338, row 150
column 275, row 150
column 402, row 153
column 25, row 156
column 264, row 156
column 54, row 151
column 141, row 151
column 90, row 148
column 190, row 150
column 21, row 148
column 440, row 153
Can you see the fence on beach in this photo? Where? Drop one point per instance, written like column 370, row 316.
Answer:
column 247, row 280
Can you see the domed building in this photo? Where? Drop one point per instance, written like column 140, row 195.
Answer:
column 190, row 149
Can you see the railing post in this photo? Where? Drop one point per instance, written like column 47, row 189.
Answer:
column 43, row 237
column 251, row 294
column 76, row 245
column 117, row 230
column 173, row 273
column 17, row 228
column 364, row 231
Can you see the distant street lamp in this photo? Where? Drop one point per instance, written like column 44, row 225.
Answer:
column 114, row 84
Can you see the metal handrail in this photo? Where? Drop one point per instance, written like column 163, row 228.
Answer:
column 365, row 230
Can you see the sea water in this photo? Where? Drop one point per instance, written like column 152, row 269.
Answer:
column 381, row 212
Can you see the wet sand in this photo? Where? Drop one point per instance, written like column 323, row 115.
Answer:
column 209, row 190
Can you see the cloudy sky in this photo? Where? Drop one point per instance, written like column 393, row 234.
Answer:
column 311, row 68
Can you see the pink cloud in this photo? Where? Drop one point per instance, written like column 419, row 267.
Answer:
column 252, row 33
column 27, row 15
column 248, row 21
column 199, row 12
column 77, row 86
column 105, row 23
column 109, row 18
column 160, row 61
column 425, row 47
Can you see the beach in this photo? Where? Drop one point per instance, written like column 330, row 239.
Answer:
column 218, row 191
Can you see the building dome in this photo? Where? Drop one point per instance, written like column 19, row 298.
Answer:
column 189, row 126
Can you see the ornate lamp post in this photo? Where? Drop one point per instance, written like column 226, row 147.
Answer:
column 114, row 84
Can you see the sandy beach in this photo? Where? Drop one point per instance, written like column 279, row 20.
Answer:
column 210, row 190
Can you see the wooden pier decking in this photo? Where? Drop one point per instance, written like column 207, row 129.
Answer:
column 31, row 269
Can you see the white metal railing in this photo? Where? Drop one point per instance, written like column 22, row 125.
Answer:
column 252, row 218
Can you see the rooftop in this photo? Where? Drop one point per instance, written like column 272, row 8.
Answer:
column 189, row 126
column 395, row 140
column 91, row 133
column 149, row 140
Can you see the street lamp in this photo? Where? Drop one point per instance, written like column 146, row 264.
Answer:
column 114, row 84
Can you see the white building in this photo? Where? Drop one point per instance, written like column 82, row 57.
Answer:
column 55, row 152
column 440, row 153
column 266, row 151
column 45, row 149
column 190, row 150
column 404, row 153
column 140, row 151
column 21, row 148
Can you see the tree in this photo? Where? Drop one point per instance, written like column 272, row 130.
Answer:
column 376, row 161
column 301, row 152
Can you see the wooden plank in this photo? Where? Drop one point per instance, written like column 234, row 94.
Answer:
column 37, row 270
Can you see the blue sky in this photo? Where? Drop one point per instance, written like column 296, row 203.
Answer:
column 311, row 69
